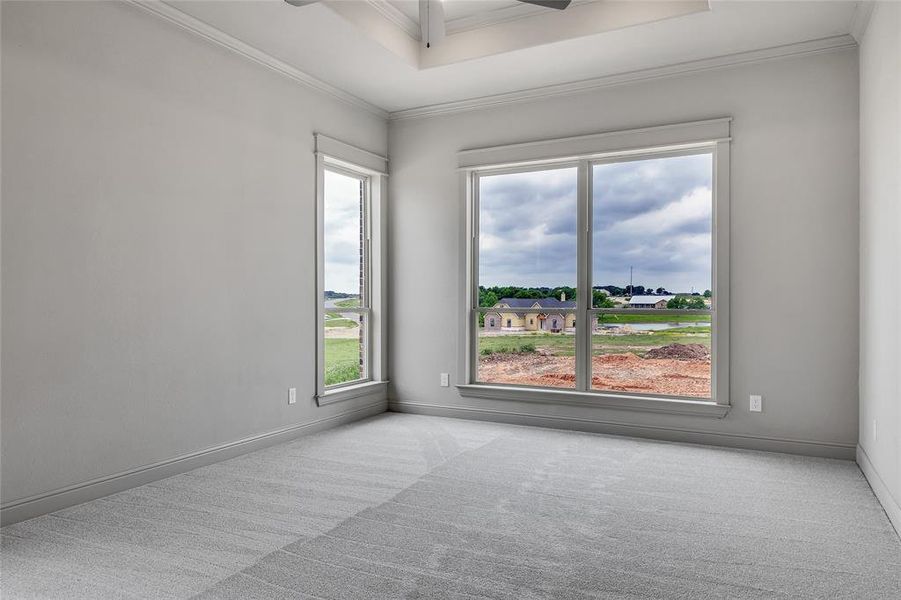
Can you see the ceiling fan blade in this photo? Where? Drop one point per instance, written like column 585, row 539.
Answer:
column 558, row 4
column 301, row 2
column 431, row 21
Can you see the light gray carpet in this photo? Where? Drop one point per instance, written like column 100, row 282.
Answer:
column 403, row 506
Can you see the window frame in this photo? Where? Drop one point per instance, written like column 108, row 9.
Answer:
column 678, row 140
column 344, row 159
column 364, row 308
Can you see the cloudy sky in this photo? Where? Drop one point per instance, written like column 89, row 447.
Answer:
column 342, row 233
column 653, row 215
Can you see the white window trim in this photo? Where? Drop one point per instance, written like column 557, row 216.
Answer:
column 341, row 157
column 583, row 151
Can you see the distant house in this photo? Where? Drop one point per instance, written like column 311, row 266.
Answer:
column 649, row 301
column 555, row 315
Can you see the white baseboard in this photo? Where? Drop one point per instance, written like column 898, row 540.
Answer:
column 670, row 434
column 33, row 506
column 889, row 503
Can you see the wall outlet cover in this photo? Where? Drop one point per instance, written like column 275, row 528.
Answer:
column 756, row 403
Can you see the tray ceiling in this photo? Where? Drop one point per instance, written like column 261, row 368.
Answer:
column 352, row 46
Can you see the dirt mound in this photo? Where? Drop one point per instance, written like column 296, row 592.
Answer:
column 563, row 378
column 624, row 359
column 680, row 352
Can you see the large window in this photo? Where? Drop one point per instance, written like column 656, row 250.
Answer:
column 350, row 287
column 602, row 275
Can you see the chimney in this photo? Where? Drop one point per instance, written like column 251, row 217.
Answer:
column 562, row 296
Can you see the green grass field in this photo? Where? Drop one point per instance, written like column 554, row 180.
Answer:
column 564, row 345
column 342, row 360
column 348, row 303
column 340, row 322
column 617, row 319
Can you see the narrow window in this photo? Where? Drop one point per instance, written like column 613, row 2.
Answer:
column 350, row 271
column 346, row 277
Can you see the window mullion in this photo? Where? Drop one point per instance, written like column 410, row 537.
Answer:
column 583, row 281
column 473, row 274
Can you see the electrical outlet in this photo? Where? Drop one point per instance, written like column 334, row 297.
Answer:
column 445, row 380
column 756, row 403
column 292, row 395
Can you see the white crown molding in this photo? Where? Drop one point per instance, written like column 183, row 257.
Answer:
column 829, row 44
column 212, row 34
column 861, row 19
column 217, row 36
column 396, row 17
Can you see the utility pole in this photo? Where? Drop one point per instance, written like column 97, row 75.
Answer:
column 630, row 281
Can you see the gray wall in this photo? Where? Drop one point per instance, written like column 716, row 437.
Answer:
column 880, row 255
column 794, row 237
column 157, row 243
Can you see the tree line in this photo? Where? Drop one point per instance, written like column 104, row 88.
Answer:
column 489, row 296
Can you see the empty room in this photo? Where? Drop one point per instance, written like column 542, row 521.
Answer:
column 450, row 299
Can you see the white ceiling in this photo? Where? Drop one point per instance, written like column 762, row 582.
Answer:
column 456, row 9
column 321, row 42
column 461, row 15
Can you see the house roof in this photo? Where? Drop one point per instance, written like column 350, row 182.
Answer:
column 541, row 302
column 649, row 299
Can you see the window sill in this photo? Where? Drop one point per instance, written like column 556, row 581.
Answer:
column 352, row 391
column 698, row 408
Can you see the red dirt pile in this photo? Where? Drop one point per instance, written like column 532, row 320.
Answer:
column 680, row 352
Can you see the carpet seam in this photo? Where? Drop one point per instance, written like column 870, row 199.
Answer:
column 354, row 515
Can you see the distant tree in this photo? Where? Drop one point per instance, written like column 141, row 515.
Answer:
column 613, row 290
column 661, row 291
column 332, row 295
column 569, row 292
column 708, row 293
column 487, row 298
column 602, row 300
column 686, row 302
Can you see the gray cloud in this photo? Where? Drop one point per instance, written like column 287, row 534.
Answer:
column 342, row 233
column 528, row 228
column 653, row 215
